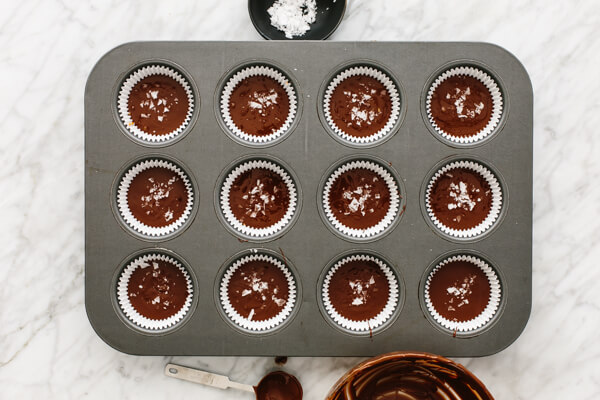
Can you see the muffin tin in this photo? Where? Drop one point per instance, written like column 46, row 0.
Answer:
column 207, row 151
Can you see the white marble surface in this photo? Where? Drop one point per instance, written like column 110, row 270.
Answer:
column 48, row 348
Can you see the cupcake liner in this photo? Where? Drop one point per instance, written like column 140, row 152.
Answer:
column 239, row 320
column 256, row 71
column 128, row 309
column 237, row 224
column 123, row 204
column 391, row 89
column 125, row 91
column 394, row 199
column 495, row 207
column 497, row 102
column 365, row 325
column 486, row 315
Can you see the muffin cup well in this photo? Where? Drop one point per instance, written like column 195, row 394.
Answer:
column 248, row 325
column 388, row 220
column 123, row 205
column 486, row 315
column 131, row 313
column 496, row 206
column 392, row 90
column 123, row 102
column 248, row 231
column 497, row 101
column 372, row 324
column 232, row 83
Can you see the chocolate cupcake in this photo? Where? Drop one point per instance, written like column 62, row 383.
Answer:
column 360, row 293
column 361, row 105
column 463, row 199
column 155, row 197
column 155, row 103
column 258, row 104
column 154, row 291
column 464, row 105
column 257, row 292
column 258, row 198
column 361, row 199
column 462, row 293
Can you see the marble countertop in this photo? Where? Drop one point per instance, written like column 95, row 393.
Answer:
column 48, row 348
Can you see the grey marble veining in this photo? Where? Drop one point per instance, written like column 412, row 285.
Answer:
column 49, row 350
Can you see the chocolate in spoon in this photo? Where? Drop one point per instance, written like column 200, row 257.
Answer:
column 276, row 385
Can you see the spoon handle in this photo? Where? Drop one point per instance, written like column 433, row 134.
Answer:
column 204, row 378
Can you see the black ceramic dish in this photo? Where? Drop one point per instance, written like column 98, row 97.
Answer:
column 329, row 16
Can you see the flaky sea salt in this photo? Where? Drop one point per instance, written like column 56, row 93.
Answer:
column 293, row 17
column 460, row 193
column 360, row 290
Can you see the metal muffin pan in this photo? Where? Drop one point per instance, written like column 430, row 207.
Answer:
column 206, row 151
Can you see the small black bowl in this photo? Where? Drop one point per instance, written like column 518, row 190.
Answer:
column 329, row 16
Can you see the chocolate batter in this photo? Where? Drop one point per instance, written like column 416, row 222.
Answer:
column 259, row 105
column 258, row 290
column 461, row 106
column 157, row 290
column 278, row 385
column 157, row 197
column 411, row 380
column 359, row 290
column 359, row 198
column 158, row 105
column 259, row 198
column 360, row 106
column 459, row 291
column 281, row 360
column 461, row 198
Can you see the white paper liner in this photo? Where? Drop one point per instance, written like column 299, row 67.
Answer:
column 497, row 102
column 391, row 89
column 123, row 101
column 244, row 322
column 376, row 321
column 131, row 313
column 496, row 205
column 237, row 224
column 256, row 71
column 392, row 188
column 123, row 204
column 489, row 311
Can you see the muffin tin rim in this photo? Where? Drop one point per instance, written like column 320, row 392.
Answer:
column 384, row 164
column 130, row 71
column 356, row 62
column 467, row 62
column 115, row 190
column 501, row 306
column 222, row 82
column 401, row 293
column 115, row 300
column 503, row 189
column 217, row 298
column 217, row 198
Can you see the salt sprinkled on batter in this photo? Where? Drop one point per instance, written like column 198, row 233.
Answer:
column 358, row 197
column 460, row 193
column 256, row 285
column 461, row 292
column 360, row 290
column 258, row 199
column 293, row 17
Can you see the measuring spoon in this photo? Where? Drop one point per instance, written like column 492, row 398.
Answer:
column 277, row 385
